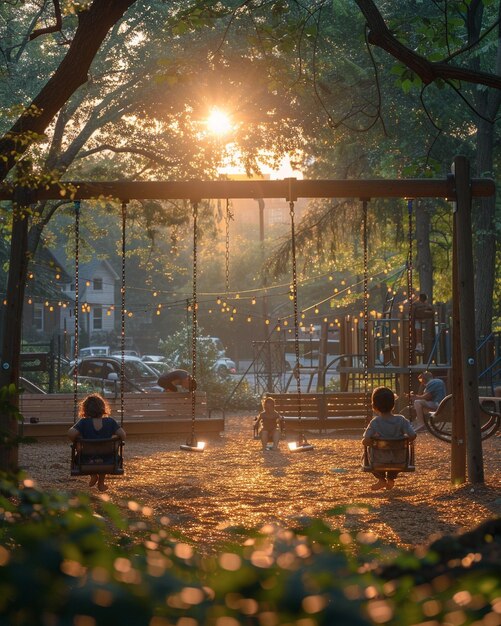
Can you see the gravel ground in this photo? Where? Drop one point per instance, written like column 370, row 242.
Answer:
column 234, row 483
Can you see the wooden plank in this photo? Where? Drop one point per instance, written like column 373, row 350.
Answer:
column 289, row 188
column 56, row 407
column 204, row 426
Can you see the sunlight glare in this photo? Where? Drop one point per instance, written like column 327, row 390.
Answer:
column 218, row 122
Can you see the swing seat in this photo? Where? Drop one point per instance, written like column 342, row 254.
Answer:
column 386, row 455
column 97, row 456
column 256, row 432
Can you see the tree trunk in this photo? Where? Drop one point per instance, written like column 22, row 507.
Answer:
column 424, row 262
column 93, row 26
column 485, row 234
column 11, row 339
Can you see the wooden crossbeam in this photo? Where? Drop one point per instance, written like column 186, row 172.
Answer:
column 289, row 188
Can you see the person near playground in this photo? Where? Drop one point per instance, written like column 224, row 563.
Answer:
column 95, row 423
column 386, row 425
column 177, row 380
column 433, row 394
column 422, row 310
column 271, row 423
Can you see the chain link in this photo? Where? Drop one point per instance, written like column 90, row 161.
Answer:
column 122, row 314
column 366, row 309
column 228, row 218
column 410, row 288
column 76, row 311
column 297, row 369
column 194, row 323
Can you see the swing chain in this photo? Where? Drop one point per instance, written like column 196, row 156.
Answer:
column 76, row 311
column 297, row 369
column 122, row 314
column 410, row 288
column 228, row 218
column 194, row 322
column 366, row 306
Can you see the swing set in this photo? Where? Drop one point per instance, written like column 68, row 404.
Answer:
column 458, row 187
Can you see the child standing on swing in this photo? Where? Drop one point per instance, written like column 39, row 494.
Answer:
column 386, row 425
column 95, row 423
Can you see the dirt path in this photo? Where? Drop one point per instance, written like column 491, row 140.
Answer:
column 233, row 483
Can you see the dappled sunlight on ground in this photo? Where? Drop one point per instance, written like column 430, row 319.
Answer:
column 208, row 495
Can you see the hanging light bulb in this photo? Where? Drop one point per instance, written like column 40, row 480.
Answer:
column 253, row 301
column 218, row 300
column 249, row 318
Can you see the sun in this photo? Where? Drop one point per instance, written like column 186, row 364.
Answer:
column 219, row 122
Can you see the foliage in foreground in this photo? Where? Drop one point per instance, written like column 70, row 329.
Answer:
column 67, row 560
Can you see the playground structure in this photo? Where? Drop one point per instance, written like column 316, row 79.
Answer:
column 458, row 187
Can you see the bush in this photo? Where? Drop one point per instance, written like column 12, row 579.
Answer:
column 66, row 560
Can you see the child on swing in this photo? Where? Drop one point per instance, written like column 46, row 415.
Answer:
column 272, row 423
column 95, row 423
column 386, row 425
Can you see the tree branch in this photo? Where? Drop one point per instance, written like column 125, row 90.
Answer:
column 427, row 71
column 55, row 28
column 140, row 151
column 94, row 24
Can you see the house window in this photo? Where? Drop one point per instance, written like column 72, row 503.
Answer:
column 38, row 316
column 98, row 284
column 97, row 318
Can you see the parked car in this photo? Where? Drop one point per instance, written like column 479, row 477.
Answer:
column 159, row 366
column 224, row 365
column 94, row 351
column 152, row 358
column 138, row 375
column 126, row 352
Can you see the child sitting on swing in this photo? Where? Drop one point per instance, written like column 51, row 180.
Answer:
column 95, row 423
column 272, row 423
column 386, row 425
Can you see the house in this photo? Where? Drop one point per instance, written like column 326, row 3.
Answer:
column 44, row 298
column 96, row 294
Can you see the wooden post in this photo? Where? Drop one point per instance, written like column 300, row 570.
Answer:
column 458, row 443
column 322, row 355
column 467, row 335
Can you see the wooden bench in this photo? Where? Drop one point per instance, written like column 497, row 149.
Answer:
column 144, row 413
column 323, row 411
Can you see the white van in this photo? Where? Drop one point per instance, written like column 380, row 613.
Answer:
column 94, row 351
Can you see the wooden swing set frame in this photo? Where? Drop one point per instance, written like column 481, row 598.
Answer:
column 458, row 187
